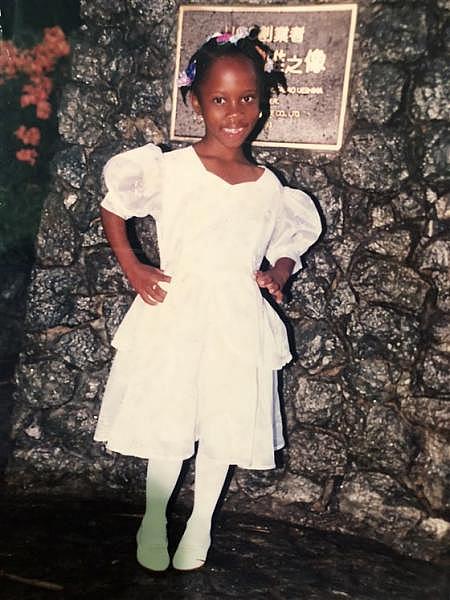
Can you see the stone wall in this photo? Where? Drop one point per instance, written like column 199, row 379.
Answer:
column 367, row 400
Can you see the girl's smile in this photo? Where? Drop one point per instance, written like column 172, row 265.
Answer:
column 228, row 100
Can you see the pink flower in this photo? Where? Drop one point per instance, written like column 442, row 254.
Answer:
column 31, row 136
column 27, row 155
column 43, row 109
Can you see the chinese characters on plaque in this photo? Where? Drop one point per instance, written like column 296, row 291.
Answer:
column 312, row 45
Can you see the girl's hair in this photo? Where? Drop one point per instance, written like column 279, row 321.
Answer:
column 251, row 48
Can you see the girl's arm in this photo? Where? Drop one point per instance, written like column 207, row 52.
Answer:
column 275, row 279
column 143, row 278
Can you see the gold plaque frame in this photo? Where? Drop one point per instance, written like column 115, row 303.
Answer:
column 228, row 16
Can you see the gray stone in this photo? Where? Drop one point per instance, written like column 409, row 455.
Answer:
column 378, row 331
column 374, row 378
column 343, row 251
column 436, row 158
column 104, row 273
column 442, row 283
column 387, row 443
column 342, row 300
column 94, row 236
column 384, row 281
column 308, row 297
column 356, row 212
column 100, row 65
column 82, row 348
column 434, row 256
column 431, row 470
column 158, row 10
column 70, row 165
column 142, row 128
column 432, row 91
column 317, row 346
column 85, row 309
column 114, row 309
column 331, row 205
column 57, row 242
column 83, row 207
column 144, row 96
column 318, row 403
column 378, row 92
column 256, row 483
column 316, row 455
column 394, row 244
column 73, row 424
column 103, row 11
column 398, row 33
column 49, row 383
column 310, row 178
column 442, row 206
column 435, row 373
column 51, row 296
column 427, row 412
column 13, row 284
column 440, row 332
column 84, row 115
column 381, row 215
column 375, row 161
column 410, row 204
column 146, row 233
column 376, row 504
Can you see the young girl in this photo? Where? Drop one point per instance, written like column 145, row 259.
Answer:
column 199, row 349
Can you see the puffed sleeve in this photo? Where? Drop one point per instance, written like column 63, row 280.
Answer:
column 133, row 182
column 297, row 227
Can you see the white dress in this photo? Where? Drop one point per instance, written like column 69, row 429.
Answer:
column 202, row 365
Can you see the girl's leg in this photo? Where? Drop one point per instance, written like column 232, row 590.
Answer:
column 209, row 479
column 162, row 476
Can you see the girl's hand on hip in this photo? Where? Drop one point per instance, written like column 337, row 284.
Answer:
column 273, row 281
column 144, row 280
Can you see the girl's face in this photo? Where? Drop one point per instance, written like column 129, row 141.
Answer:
column 229, row 101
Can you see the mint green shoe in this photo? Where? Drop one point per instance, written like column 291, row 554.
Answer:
column 152, row 556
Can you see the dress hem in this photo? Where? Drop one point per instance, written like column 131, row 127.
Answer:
column 166, row 457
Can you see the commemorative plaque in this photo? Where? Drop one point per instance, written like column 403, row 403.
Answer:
column 312, row 45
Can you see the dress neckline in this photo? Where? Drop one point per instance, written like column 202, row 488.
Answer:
column 224, row 181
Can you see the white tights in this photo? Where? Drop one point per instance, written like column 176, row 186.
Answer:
column 162, row 476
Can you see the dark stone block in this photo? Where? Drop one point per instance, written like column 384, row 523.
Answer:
column 377, row 331
column 436, row 158
column 381, row 281
column 375, row 161
column 58, row 242
column 49, row 383
column 85, row 115
column 316, row 455
column 70, row 165
column 51, row 296
column 318, row 348
column 378, row 92
column 398, row 33
column 82, row 348
column 435, row 373
column 432, row 91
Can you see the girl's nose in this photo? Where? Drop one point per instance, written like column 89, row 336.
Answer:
column 234, row 108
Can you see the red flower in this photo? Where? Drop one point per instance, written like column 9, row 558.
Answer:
column 31, row 136
column 27, row 155
column 43, row 109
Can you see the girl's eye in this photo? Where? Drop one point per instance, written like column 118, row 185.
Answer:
column 248, row 99
column 218, row 100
